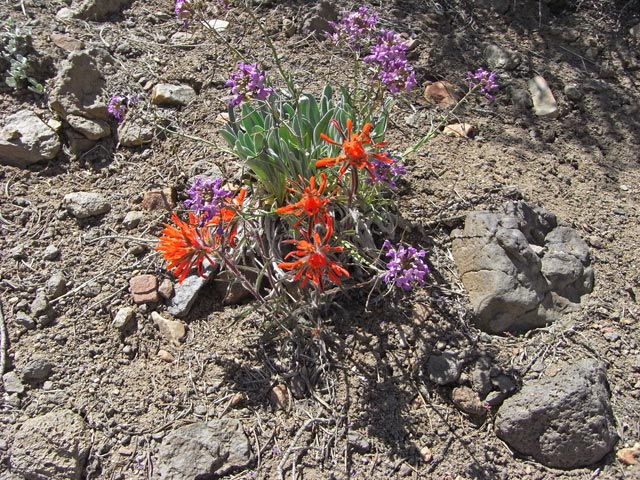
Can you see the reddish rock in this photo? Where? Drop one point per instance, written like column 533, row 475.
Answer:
column 443, row 94
column 165, row 356
column 159, row 199
column 66, row 42
column 279, row 397
column 166, row 290
column 629, row 456
column 144, row 289
column 468, row 401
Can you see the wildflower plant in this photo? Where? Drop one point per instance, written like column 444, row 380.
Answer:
column 316, row 213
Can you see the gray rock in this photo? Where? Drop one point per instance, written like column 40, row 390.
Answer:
column 499, row 58
column 91, row 129
column 135, row 133
column 37, row 370
column 124, row 319
column 520, row 99
column 317, row 19
column 444, row 368
column 204, row 450
column 572, row 92
column 99, row 9
column 25, row 139
column 164, row 94
column 132, row 219
column 504, row 383
column 563, row 421
column 544, row 103
column 56, row 285
column 50, row 446
column 51, row 252
column 358, row 442
column 186, row 294
column 514, row 283
column 79, row 87
column 86, row 204
column 12, row 383
column 40, row 305
column 25, row 320
column 480, row 376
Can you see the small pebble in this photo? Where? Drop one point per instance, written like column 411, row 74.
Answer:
column 51, row 252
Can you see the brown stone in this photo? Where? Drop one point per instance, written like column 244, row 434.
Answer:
column 66, row 42
column 174, row 331
column 629, row 456
column 166, row 289
column 468, row 401
column 464, row 130
column 159, row 199
column 279, row 397
column 442, row 93
column 165, row 356
column 144, row 289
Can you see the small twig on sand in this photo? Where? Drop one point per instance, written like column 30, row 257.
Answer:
column 4, row 342
column 292, row 447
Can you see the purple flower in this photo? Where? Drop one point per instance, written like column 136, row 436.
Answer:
column 387, row 172
column 118, row 106
column 183, row 10
column 247, row 83
column 389, row 56
column 355, row 28
column 484, row 80
column 405, row 268
column 207, row 196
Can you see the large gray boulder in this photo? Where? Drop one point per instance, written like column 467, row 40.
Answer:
column 520, row 269
column 204, row 450
column 564, row 421
column 53, row 446
column 25, row 139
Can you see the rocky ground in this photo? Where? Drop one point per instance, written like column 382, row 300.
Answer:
column 113, row 371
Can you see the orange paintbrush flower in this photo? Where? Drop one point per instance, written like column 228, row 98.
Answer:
column 313, row 261
column 187, row 245
column 356, row 150
column 312, row 203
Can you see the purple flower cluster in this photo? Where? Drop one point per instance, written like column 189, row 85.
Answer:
column 389, row 56
column 387, row 172
column 405, row 267
column 247, row 83
column 207, row 196
column 483, row 79
column 183, row 10
column 355, row 28
column 118, row 106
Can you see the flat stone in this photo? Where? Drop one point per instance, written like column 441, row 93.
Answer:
column 544, row 103
column 159, row 199
column 86, row 204
column 37, row 370
column 124, row 319
column 218, row 24
column 99, row 9
column 135, row 133
column 174, row 331
column 204, row 450
column 91, row 129
column 442, row 93
column 167, row 95
column 12, row 382
column 66, row 42
column 165, row 356
column 564, row 421
column 468, row 401
column 186, row 294
column 144, row 289
column 132, row 219
column 25, row 139
column 25, row 320
column 51, row 446
column 464, row 130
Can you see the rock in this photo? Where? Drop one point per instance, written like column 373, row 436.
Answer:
column 167, row 95
column 495, row 399
column 25, row 140
column 510, row 287
column 166, row 289
column 132, row 219
column 24, row 320
column 279, row 397
column 464, row 130
column 544, row 103
column 51, row 252
column 124, row 319
column 629, row 456
column 572, row 92
column 444, row 368
column 480, row 376
column 40, row 305
column 86, row 204
column 317, row 19
column 79, row 87
column 442, row 93
column 37, row 370
column 173, row 330
column 218, row 24
column 159, row 199
column 135, row 133
column 144, row 289
column 499, row 58
column 358, row 442
column 504, row 383
column 468, row 401
column 520, row 99
column 61, row 442
column 204, row 450
column 12, row 383
column 65, row 13
column 66, row 42
column 90, row 129
column 185, row 40
column 186, row 294
column 165, row 356
column 563, row 421
column 99, row 9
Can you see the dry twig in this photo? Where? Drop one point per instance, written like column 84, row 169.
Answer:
column 4, row 342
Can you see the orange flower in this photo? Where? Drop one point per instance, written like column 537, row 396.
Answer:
column 312, row 204
column 187, row 245
column 354, row 153
column 313, row 261
column 227, row 217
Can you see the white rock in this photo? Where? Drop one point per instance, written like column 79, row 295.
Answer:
column 165, row 94
column 86, row 204
column 25, row 139
column 544, row 103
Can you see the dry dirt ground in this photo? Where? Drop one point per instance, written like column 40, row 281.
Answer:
column 365, row 372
